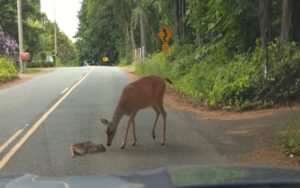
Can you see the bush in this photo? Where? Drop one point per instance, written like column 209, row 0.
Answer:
column 8, row 70
column 291, row 140
column 155, row 64
column 123, row 62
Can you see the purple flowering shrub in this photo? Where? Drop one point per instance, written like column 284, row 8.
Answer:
column 8, row 54
column 8, row 45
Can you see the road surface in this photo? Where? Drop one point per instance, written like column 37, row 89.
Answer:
column 74, row 100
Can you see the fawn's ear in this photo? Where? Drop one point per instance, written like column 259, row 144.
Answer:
column 104, row 121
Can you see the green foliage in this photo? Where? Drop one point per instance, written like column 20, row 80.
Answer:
column 99, row 31
column 155, row 64
column 291, row 141
column 38, row 32
column 123, row 62
column 239, row 84
column 223, row 25
column 7, row 69
column 58, row 62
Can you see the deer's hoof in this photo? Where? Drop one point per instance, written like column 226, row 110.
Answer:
column 153, row 135
column 134, row 144
column 122, row 146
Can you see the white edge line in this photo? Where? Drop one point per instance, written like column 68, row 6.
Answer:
column 37, row 124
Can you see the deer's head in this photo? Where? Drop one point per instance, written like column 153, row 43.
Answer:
column 110, row 130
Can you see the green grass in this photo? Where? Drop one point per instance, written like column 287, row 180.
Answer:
column 32, row 70
column 291, row 140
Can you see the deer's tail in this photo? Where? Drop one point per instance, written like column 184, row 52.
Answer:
column 168, row 80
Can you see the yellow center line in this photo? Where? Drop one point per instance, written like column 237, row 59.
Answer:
column 11, row 139
column 37, row 124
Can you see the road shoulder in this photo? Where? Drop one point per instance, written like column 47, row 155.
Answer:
column 25, row 77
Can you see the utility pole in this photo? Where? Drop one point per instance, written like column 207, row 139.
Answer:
column 20, row 34
column 55, row 36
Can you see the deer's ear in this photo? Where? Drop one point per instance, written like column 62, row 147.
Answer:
column 104, row 121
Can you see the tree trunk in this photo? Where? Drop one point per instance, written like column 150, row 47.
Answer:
column 132, row 41
column 265, row 10
column 127, row 39
column 180, row 6
column 287, row 22
column 177, row 12
column 182, row 17
column 296, row 21
column 143, row 41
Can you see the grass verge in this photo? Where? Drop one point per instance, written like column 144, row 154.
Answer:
column 33, row 70
column 291, row 140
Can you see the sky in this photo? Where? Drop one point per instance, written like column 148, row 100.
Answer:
column 66, row 12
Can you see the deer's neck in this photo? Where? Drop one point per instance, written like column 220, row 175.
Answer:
column 117, row 117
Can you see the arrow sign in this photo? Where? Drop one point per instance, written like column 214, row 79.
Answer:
column 165, row 34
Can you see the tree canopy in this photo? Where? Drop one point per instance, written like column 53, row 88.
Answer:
column 116, row 27
column 38, row 33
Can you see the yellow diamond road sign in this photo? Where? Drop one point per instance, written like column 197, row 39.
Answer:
column 105, row 59
column 165, row 34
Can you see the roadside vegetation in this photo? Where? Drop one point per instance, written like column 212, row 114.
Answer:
column 7, row 69
column 234, row 55
column 237, row 84
column 38, row 36
column 33, row 70
column 291, row 140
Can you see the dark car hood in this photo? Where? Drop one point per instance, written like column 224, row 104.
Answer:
column 163, row 177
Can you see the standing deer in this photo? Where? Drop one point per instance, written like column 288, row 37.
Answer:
column 145, row 92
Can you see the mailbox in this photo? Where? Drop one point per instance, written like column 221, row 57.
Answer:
column 25, row 56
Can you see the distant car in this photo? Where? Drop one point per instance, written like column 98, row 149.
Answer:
column 50, row 59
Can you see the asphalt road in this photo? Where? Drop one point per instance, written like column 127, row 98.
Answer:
column 191, row 140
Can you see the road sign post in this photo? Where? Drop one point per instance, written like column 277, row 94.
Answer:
column 165, row 48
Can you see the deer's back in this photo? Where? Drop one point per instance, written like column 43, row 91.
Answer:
column 145, row 92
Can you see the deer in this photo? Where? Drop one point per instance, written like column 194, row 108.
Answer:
column 145, row 92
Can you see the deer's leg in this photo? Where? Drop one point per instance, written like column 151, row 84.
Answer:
column 133, row 131
column 155, row 122
column 131, row 117
column 164, row 115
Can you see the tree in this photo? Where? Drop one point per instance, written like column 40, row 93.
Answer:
column 288, row 21
column 265, row 10
column 99, row 32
